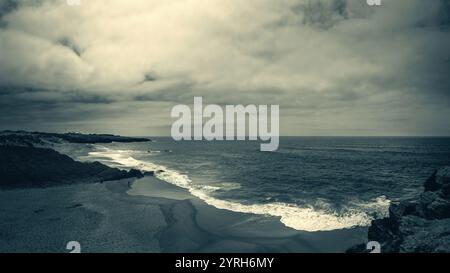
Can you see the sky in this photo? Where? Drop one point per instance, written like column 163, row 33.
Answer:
column 335, row 67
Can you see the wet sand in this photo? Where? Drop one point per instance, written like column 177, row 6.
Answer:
column 146, row 215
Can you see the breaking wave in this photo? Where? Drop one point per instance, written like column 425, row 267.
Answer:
column 300, row 218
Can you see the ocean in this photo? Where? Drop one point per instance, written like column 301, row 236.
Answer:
column 311, row 183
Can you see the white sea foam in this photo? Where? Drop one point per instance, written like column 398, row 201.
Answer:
column 300, row 218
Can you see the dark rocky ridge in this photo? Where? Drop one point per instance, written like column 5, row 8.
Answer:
column 24, row 165
column 417, row 225
column 24, row 138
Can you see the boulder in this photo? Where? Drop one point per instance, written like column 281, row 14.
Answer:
column 439, row 181
column 416, row 225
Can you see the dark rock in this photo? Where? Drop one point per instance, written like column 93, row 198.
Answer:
column 94, row 138
column 439, row 181
column 439, row 208
column 361, row 248
column 22, row 167
column 421, row 225
column 135, row 173
column 426, row 236
column 22, row 138
column 384, row 232
column 430, row 184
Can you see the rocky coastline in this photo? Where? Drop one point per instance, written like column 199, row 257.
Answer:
column 420, row 225
column 26, row 161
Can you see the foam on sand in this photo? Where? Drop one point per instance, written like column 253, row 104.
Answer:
column 300, row 218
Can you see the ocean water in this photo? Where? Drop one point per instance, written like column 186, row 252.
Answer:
column 311, row 183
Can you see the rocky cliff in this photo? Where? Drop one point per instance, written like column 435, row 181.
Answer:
column 23, row 167
column 26, row 160
column 23, row 138
column 417, row 225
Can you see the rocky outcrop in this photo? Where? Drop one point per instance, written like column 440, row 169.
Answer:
column 24, row 167
column 23, row 138
column 26, row 162
column 419, row 225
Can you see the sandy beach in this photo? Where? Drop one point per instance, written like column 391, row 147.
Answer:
column 146, row 215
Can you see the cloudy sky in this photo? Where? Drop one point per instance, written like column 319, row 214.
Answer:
column 335, row 67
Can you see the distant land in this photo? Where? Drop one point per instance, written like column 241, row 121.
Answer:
column 28, row 161
column 29, row 138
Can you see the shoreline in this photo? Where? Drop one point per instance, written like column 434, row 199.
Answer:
column 112, row 217
column 231, row 231
column 135, row 214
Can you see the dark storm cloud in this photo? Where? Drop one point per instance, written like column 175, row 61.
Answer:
column 326, row 14
column 149, row 77
column 331, row 65
column 10, row 95
column 68, row 43
column 7, row 6
column 444, row 16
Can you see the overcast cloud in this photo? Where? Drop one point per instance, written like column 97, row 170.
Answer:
column 335, row 67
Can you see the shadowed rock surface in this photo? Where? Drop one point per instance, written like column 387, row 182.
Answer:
column 24, row 138
column 25, row 162
column 418, row 225
column 22, row 167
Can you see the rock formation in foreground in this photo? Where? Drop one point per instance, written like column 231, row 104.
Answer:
column 24, row 164
column 418, row 225
column 25, row 167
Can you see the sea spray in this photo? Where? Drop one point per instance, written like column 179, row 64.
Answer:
column 300, row 218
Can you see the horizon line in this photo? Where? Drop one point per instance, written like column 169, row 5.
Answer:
column 78, row 132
